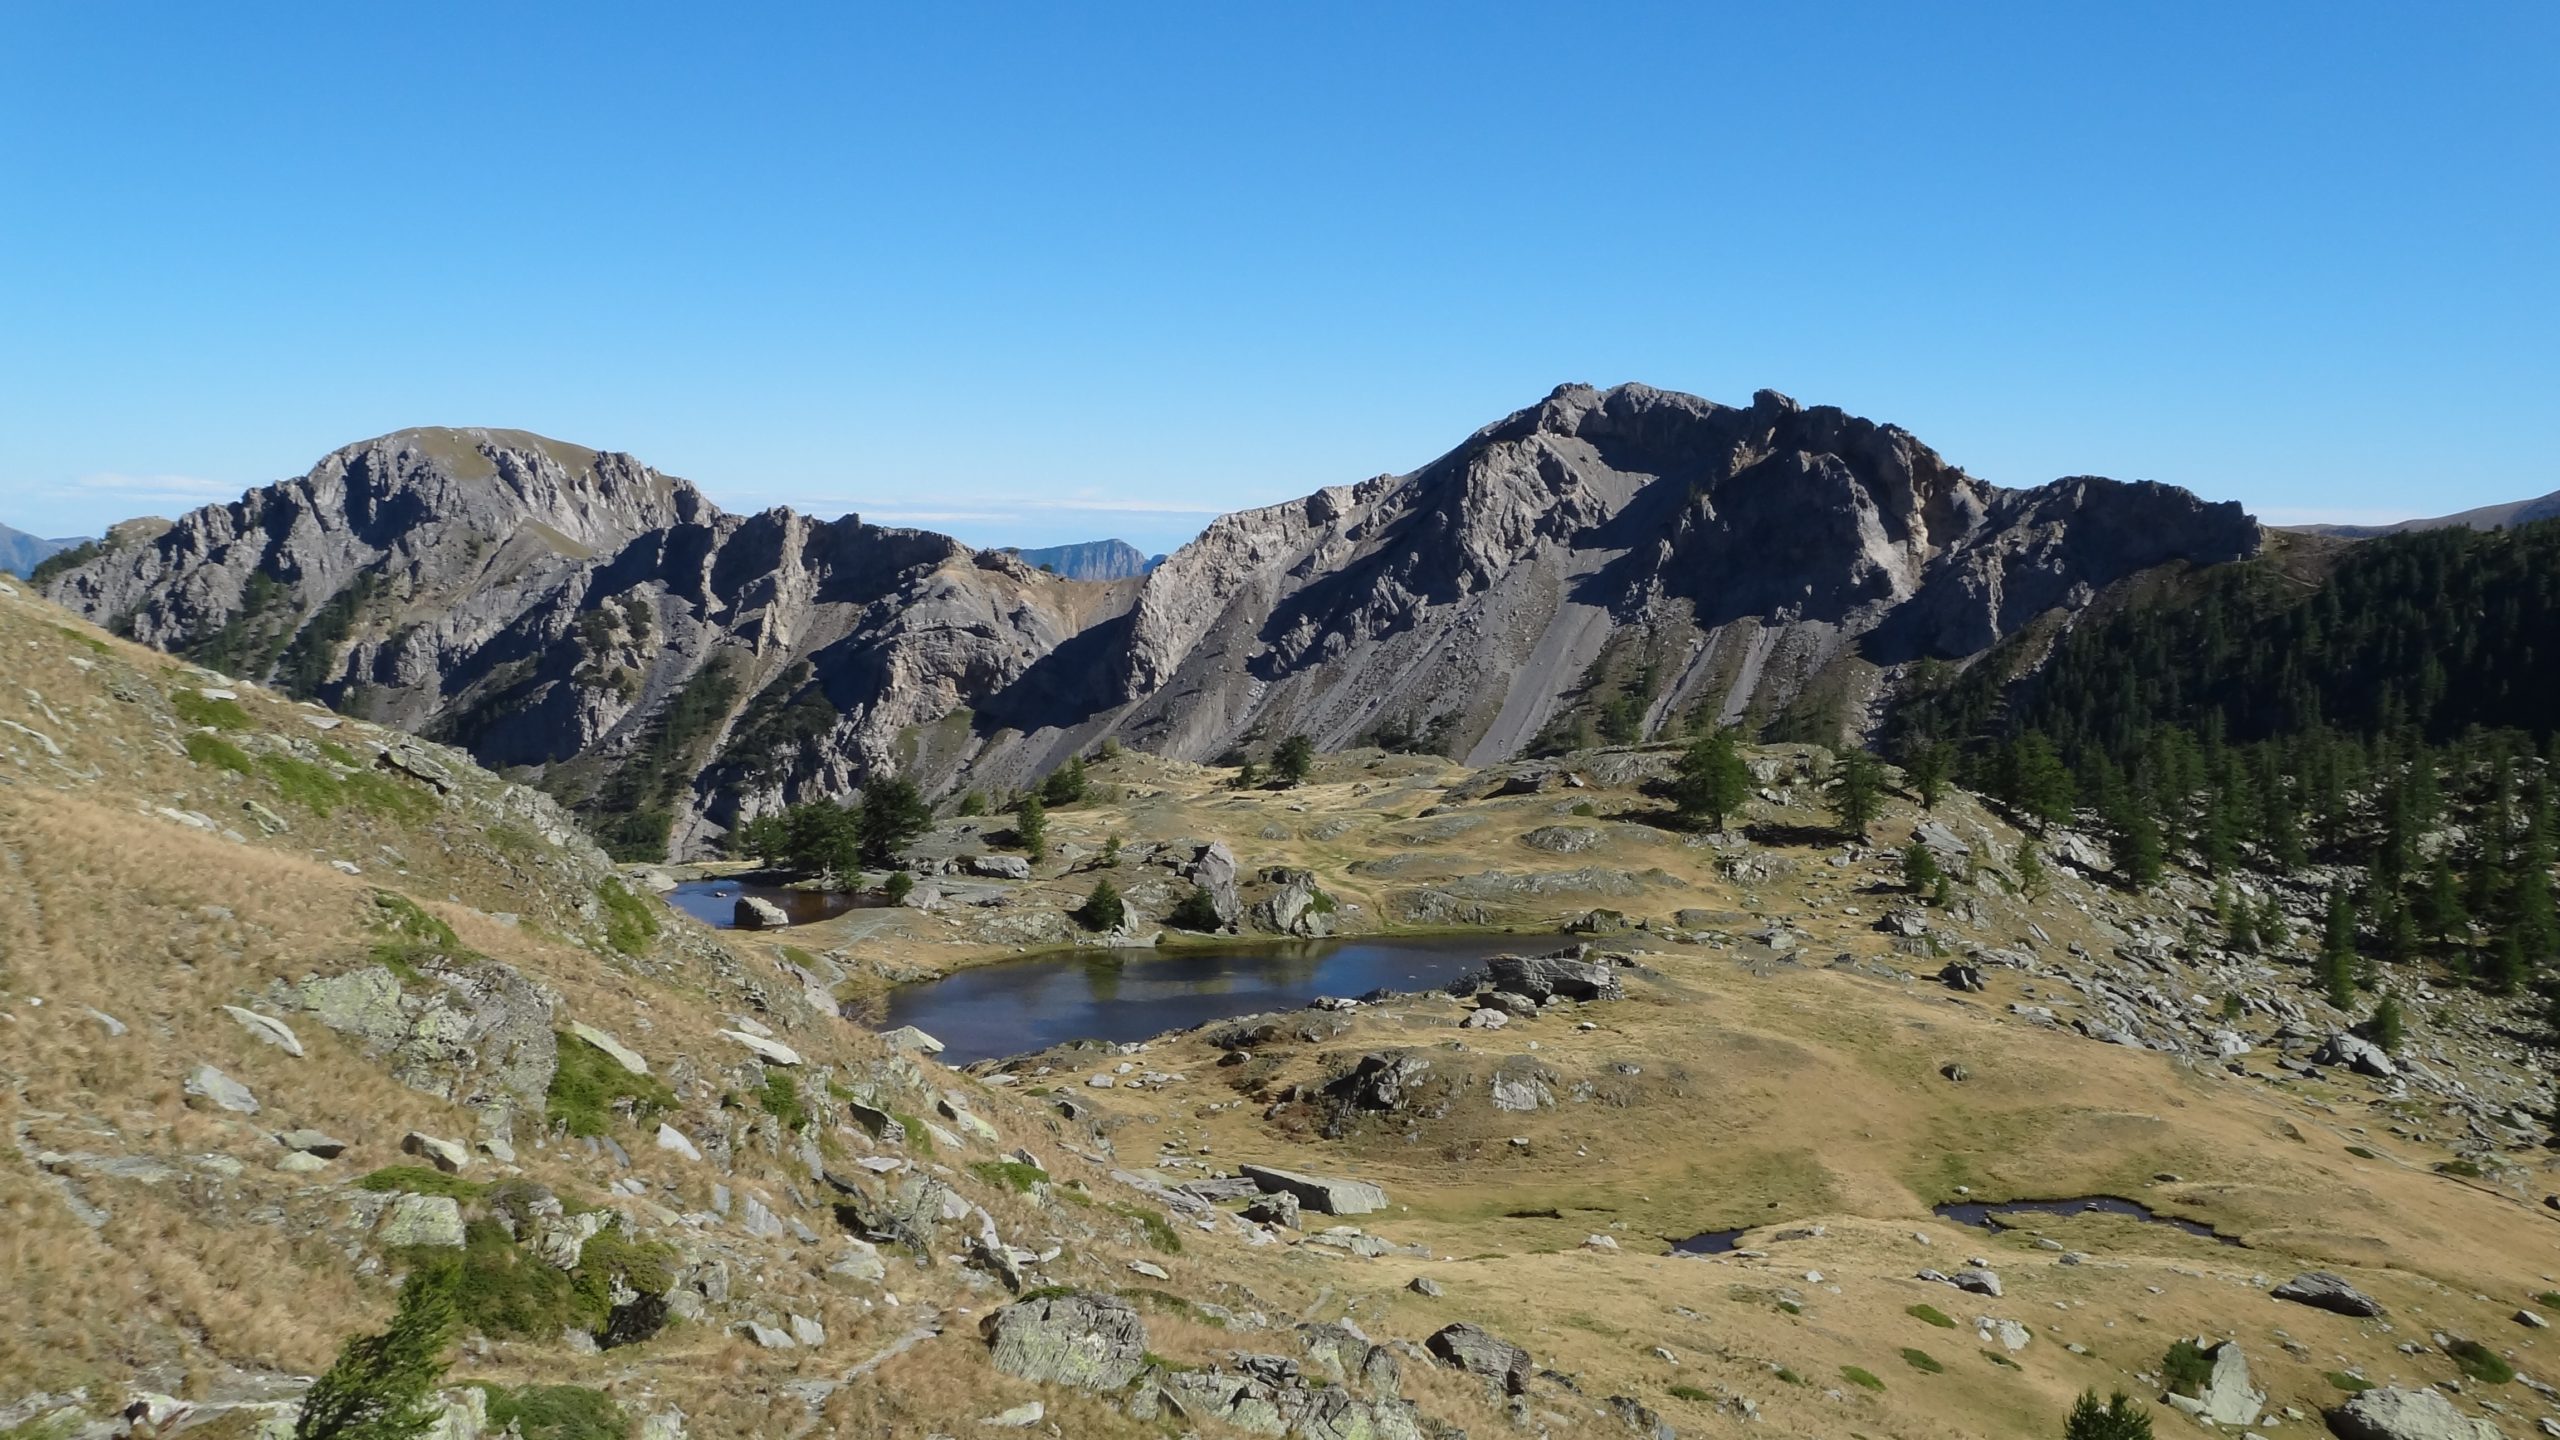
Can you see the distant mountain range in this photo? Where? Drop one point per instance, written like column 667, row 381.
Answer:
column 1604, row 562
column 1093, row 560
column 21, row 552
column 2487, row 517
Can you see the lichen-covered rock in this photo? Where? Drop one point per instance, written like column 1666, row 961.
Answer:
column 2391, row 1413
column 420, row 1220
column 1080, row 1338
column 476, row 1032
column 1565, row 973
column 1329, row 1195
column 2323, row 1291
column 208, row 1088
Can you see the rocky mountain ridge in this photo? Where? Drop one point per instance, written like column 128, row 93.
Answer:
column 2485, row 517
column 574, row 615
column 1093, row 560
column 21, row 552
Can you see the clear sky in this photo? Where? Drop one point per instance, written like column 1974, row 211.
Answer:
column 1035, row 273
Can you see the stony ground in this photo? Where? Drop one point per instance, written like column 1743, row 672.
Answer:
column 210, row 900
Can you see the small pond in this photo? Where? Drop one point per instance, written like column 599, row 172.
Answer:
column 1989, row 1216
column 715, row 902
column 1713, row 1242
column 1014, row 1007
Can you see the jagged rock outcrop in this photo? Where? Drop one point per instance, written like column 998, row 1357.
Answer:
column 674, row 669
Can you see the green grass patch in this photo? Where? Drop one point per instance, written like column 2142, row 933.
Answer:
column 503, row 1290
column 2478, row 1362
column 2362, row 1153
column 555, row 1412
column 195, row 709
column 780, row 1098
column 2352, row 1384
column 588, row 1086
column 2186, row 1369
column 2549, row 1297
column 1789, row 1376
column 1932, row 1315
column 1173, row 1304
column 1863, row 1379
column 629, row 924
column 1922, row 1361
column 1791, row 1307
column 2003, row 1361
column 1159, row 1231
column 217, row 752
column 918, row 1137
column 1011, row 1174
column 1692, row 1394
column 77, row 637
column 2463, row 1169
column 419, row 1180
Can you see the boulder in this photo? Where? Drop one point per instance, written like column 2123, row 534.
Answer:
column 1482, row 1354
column 1960, row 976
column 312, row 1142
column 754, row 912
column 1389, row 1080
column 421, row 1220
column 445, row 1155
column 266, row 1027
column 1280, row 1208
column 2358, row 1054
column 1300, row 908
column 2323, row 1291
column 207, row 1087
column 1323, row 1194
column 908, row 1037
column 675, row 1142
column 1213, row 870
column 771, row 1050
column 2227, row 1398
column 1562, row 839
column 997, row 867
column 1080, row 1338
column 1637, row 1416
column 623, row 1055
column 1564, row 973
column 2391, row 1413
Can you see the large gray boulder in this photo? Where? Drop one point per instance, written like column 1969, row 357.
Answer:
column 754, row 912
column 1565, row 973
column 421, row 1220
column 2323, row 1291
column 1483, row 1354
column 1326, row 1194
column 2391, row 1413
column 477, row 1032
column 2358, row 1054
column 1213, row 870
column 2227, row 1398
column 1088, row 1340
column 208, row 1088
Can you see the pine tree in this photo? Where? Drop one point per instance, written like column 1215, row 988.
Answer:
column 2387, row 1026
column 1926, row 769
column 1031, row 826
column 2121, row 1418
column 2338, row 949
column 1103, row 910
column 2443, row 917
column 2036, row 781
column 1712, row 783
column 1853, row 790
column 1295, row 760
column 1065, row 785
column 1920, row 874
column 2033, row 878
column 2138, row 855
column 382, row 1386
column 893, row 816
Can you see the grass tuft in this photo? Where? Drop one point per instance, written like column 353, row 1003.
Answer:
column 1863, row 1379
column 419, row 1180
column 2479, row 1362
column 555, row 1412
column 588, row 1086
column 195, row 709
column 1922, row 1361
column 629, row 925
column 1011, row 1174
column 215, row 751
column 1159, row 1231
column 1931, row 1314
column 2352, row 1384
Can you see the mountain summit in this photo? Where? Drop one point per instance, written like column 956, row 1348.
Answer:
column 1626, row 558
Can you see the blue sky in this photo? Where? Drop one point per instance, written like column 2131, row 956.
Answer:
column 1036, row 273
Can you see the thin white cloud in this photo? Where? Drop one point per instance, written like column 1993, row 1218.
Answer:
column 167, row 487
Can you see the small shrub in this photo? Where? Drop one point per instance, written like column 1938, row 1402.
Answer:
column 382, row 1387
column 2119, row 1418
column 897, row 887
column 1011, row 1174
column 1931, row 1314
column 1159, row 1231
column 587, row 1085
column 215, row 751
column 2479, row 1362
column 195, row 709
column 2462, row 1169
column 1196, row 911
column 556, row 1412
column 1586, row 809
column 1103, row 910
column 780, row 1098
column 1863, row 1379
column 1922, row 1361
column 629, row 925
column 419, row 1180
column 2186, row 1369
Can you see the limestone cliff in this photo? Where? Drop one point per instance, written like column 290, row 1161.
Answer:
column 672, row 668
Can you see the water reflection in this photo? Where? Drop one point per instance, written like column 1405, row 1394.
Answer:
column 715, row 902
column 1017, row 1006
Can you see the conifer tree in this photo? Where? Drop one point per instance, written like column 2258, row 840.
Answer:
column 1031, row 825
column 2443, row 917
column 1926, row 769
column 1712, row 783
column 2121, row 1418
column 2033, row 878
column 2338, row 949
column 1920, row 873
column 1853, row 790
column 382, row 1387
column 1103, row 910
